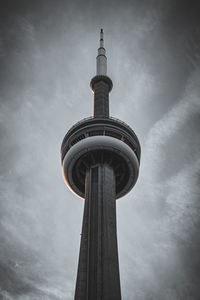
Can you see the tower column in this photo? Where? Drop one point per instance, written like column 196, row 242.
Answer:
column 98, row 270
column 100, row 159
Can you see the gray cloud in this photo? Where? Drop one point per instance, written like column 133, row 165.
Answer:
column 47, row 58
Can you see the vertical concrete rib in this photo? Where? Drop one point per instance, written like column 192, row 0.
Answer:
column 98, row 270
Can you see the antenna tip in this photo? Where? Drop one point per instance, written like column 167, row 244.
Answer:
column 101, row 39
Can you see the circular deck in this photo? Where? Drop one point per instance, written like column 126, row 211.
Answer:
column 96, row 141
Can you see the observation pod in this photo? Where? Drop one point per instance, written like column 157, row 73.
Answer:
column 96, row 140
column 100, row 157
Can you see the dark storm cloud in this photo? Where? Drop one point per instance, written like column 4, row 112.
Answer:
column 47, row 58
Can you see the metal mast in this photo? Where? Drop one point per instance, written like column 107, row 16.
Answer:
column 101, row 68
column 100, row 158
column 101, row 84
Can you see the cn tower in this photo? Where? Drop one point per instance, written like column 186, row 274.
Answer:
column 100, row 158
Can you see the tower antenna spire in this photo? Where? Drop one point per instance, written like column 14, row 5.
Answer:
column 101, row 68
column 101, row 39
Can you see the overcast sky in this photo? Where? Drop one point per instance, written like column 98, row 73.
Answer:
column 47, row 57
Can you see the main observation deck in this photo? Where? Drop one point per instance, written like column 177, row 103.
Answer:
column 121, row 156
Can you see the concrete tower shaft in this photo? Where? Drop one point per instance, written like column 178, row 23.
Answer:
column 98, row 269
column 100, row 158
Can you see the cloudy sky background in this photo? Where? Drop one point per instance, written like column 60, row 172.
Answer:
column 47, row 58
